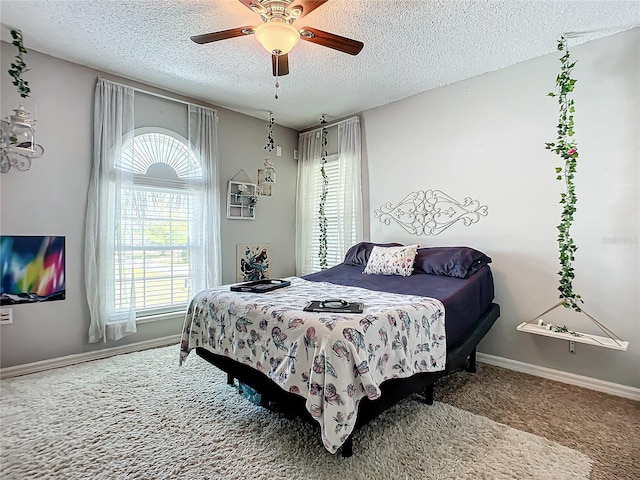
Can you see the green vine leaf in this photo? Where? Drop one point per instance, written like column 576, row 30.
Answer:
column 19, row 66
column 566, row 148
column 322, row 218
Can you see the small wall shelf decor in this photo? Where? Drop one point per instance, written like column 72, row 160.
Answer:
column 241, row 200
column 597, row 340
column 430, row 212
column 17, row 133
column 548, row 330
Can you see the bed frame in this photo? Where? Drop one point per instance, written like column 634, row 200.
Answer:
column 273, row 397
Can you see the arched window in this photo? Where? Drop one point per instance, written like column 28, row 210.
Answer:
column 159, row 153
column 155, row 247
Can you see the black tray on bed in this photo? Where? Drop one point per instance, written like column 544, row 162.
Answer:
column 260, row 286
column 334, row 306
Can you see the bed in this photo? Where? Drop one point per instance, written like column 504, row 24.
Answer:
column 425, row 311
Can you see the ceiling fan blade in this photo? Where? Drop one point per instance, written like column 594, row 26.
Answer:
column 305, row 6
column 222, row 35
column 283, row 65
column 326, row 39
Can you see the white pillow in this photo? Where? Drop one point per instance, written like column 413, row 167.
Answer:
column 391, row 260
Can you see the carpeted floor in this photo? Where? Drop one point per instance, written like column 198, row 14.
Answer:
column 604, row 427
column 140, row 416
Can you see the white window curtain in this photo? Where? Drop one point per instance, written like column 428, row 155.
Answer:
column 345, row 228
column 113, row 125
column 307, row 199
column 110, row 277
column 349, row 186
column 205, row 221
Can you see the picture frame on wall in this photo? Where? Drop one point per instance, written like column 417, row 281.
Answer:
column 242, row 198
column 253, row 262
column 33, row 269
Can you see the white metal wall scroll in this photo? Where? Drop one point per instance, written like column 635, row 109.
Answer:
column 430, row 212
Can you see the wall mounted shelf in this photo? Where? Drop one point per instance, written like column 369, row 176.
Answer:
column 546, row 329
column 597, row 340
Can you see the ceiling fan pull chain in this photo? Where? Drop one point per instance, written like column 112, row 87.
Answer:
column 277, row 54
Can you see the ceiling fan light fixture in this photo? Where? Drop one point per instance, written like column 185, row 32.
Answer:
column 277, row 37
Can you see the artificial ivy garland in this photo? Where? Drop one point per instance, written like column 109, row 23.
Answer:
column 270, row 145
column 567, row 149
column 322, row 218
column 564, row 329
column 19, row 67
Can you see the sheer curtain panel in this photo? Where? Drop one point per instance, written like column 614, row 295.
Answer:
column 204, row 221
column 349, row 186
column 308, row 192
column 113, row 125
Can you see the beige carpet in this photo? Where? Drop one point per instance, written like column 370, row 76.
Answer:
column 141, row 416
column 604, row 427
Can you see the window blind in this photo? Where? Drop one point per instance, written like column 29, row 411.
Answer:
column 334, row 252
column 153, row 255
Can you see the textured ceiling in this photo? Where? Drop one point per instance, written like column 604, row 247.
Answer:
column 410, row 46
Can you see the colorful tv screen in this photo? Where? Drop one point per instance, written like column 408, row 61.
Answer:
column 33, row 269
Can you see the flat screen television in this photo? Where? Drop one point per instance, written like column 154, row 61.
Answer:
column 32, row 268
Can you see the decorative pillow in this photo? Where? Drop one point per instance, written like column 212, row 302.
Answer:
column 391, row 260
column 359, row 254
column 460, row 262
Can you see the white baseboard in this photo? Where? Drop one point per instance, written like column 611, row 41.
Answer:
column 616, row 389
column 557, row 375
column 86, row 357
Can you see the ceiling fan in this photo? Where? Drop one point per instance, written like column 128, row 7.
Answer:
column 277, row 34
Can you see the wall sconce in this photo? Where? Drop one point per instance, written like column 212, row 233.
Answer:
column 18, row 142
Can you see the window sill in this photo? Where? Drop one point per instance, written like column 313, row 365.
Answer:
column 161, row 316
column 146, row 319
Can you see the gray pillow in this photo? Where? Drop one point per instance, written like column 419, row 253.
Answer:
column 359, row 254
column 460, row 262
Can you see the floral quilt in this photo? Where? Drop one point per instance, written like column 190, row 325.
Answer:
column 334, row 360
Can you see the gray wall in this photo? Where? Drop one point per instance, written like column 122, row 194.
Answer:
column 484, row 138
column 50, row 199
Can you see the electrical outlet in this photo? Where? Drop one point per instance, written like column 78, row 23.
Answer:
column 279, row 151
column 6, row 316
column 572, row 346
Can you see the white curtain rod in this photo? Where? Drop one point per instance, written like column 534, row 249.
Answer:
column 159, row 95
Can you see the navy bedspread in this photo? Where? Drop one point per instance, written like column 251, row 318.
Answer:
column 465, row 300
